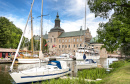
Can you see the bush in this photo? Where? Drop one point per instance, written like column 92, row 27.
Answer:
column 117, row 64
column 128, row 59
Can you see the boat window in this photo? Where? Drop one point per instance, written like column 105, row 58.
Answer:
column 55, row 67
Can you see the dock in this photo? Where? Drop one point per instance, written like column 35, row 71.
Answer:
column 5, row 60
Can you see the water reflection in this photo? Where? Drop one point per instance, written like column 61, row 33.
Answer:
column 5, row 78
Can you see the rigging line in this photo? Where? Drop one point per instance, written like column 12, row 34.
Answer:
column 21, row 38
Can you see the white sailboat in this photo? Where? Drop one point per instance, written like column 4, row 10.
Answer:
column 54, row 69
column 82, row 52
column 90, row 53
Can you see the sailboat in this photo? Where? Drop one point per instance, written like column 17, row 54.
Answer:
column 83, row 51
column 81, row 54
column 53, row 69
column 25, row 59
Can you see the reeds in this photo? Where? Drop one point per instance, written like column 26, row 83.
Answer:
column 93, row 73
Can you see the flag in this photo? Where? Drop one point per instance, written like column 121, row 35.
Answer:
column 53, row 46
column 46, row 44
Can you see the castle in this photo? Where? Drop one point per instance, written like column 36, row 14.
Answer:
column 60, row 42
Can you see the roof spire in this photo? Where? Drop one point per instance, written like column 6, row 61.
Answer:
column 57, row 15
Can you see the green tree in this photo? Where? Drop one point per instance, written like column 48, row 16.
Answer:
column 9, row 34
column 115, row 33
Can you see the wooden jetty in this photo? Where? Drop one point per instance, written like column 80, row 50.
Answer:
column 5, row 60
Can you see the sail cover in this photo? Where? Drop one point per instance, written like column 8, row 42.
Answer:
column 84, row 56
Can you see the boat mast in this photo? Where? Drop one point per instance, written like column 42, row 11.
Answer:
column 21, row 38
column 85, row 27
column 41, row 39
column 31, row 33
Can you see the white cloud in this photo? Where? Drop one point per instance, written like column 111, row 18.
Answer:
column 90, row 23
column 74, row 7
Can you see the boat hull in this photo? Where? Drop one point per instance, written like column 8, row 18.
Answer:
column 38, row 76
column 29, row 61
column 86, row 66
column 63, row 59
column 87, row 57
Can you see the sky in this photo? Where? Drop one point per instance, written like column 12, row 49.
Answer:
column 71, row 14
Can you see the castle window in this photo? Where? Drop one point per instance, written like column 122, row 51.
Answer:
column 62, row 46
column 59, row 41
column 65, row 46
column 77, row 45
column 59, row 46
column 80, row 39
column 77, row 40
column 69, row 40
column 69, row 46
column 54, row 39
column 62, row 40
column 80, row 45
column 51, row 40
column 74, row 40
column 65, row 40
column 74, row 45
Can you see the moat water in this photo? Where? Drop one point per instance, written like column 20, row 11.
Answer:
column 5, row 78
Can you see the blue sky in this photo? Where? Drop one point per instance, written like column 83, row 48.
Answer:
column 71, row 14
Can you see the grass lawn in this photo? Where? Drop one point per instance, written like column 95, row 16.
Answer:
column 119, row 76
